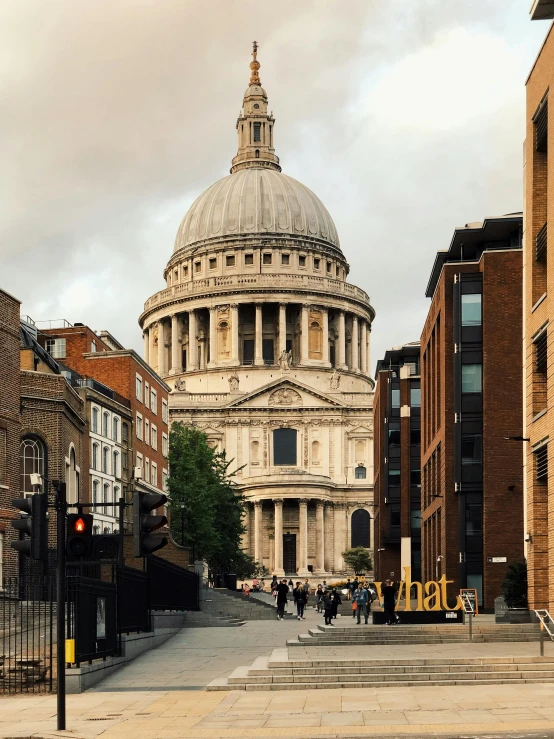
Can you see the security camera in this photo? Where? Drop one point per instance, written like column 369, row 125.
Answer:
column 528, row 537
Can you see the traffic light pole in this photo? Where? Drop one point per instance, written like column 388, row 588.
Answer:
column 61, row 508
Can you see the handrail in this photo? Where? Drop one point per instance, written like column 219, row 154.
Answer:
column 546, row 621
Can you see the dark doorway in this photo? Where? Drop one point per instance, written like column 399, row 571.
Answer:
column 289, row 553
column 332, row 354
column 248, row 351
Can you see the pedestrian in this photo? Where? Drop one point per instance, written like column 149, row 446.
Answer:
column 319, row 598
column 348, row 589
column 354, row 585
column 246, row 590
column 274, row 583
column 306, row 586
column 388, row 591
column 327, row 603
column 291, row 585
column 336, row 601
column 361, row 597
column 282, row 596
column 299, row 595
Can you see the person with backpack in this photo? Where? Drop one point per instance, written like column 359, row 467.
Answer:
column 327, row 604
column 282, row 596
column 361, row 598
column 300, row 598
column 336, row 601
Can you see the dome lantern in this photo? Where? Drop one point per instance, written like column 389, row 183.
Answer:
column 255, row 126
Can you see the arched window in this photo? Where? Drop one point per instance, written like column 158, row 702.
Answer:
column 95, row 492
column 257, row 153
column 71, row 479
column 284, row 447
column 116, row 493
column 106, row 496
column 105, row 460
column 360, row 473
column 115, row 464
column 105, row 421
column 116, row 429
column 95, row 420
column 360, row 529
column 32, row 456
column 95, row 456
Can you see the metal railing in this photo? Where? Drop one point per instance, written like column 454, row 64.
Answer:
column 545, row 624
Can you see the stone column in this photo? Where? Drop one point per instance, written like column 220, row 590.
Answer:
column 319, row 539
column 152, row 351
column 341, row 359
column 176, row 354
column 278, row 565
column 258, row 337
column 328, row 526
column 192, row 357
column 304, row 335
column 146, row 338
column 245, row 538
column 161, row 348
column 234, row 334
column 355, row 345
column 213, row 337
column 363, row 348
column 258, row 552
column 282, row 328
column 202, row 353
column 303, row 533
column 339, row 537
column 325, row 352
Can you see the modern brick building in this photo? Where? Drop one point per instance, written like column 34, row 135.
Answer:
column 397, row 463
column 471, row 380
column 139, row 404
column 538, row 312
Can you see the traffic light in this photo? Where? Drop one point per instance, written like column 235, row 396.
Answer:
column 144, row 523
column 34, row 523
column 79, row 536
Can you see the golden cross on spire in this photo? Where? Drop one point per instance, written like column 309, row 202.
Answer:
column 255, row 65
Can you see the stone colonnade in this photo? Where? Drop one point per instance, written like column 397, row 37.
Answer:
column 169, row 332
column 329, row 518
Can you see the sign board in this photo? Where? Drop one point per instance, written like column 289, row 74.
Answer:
column 470, row 594
column 500, row 611
column 497, row 560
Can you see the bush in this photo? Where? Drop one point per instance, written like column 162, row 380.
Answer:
column 358, row 559
column 514, row 587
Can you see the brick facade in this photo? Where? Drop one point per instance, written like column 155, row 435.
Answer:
column 484, row 260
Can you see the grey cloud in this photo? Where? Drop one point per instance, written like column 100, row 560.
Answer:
column 115, row 115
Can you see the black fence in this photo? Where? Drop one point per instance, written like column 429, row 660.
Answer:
column 133, row 600
column 171, row 587
column 27, row 629
column 92, row 618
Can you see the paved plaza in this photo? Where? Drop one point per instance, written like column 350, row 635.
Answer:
column 161, row 695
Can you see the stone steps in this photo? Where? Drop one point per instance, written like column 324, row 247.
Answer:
column 277, row 673
column 221, row 603
column 198, row 620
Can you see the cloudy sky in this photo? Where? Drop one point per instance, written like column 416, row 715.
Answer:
column 406, row 119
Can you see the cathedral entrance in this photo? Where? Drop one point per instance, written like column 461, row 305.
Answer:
column 289, row 553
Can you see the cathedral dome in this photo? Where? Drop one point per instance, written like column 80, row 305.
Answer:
column 257, row 201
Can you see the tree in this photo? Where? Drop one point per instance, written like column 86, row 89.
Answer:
column 204, row 498
column 245, row 567
column 358, row 559
column 514, row 586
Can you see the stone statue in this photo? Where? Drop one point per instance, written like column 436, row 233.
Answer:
column 234, row 383
column 335, row 380
column 285, row 360
column 285, row 396
column 180, row 385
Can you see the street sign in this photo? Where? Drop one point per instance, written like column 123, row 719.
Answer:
column 470, row 600
column 495, row 560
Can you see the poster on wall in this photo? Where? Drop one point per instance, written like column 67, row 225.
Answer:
column 100, row 618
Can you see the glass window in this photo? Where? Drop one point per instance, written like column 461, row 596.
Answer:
column 471, row 310
column 95, row 420
column 415, row 436
column 471, row 378
column 415, row 476
column 257, row 131
column 115, row 465
column 154, row 441
column 394, row 434
column 285, row 258
column 95, row 489
column 415, row 397
column 105, row 462
column 139, row 388
column 154, row 475
column 164, row 445
column 32, row 455
column 230, row 260
column 125, row 432
column 249, row 259
column 316, row 263
column 284, row 447
column 105, row 422
column 415, row 518
column 472, row 452
column 394, row 473
column 474, row 519
column 164, row 411
column 360, row 530
column 301, row 261
column 95, row 456
column 197, row 266
column 139, row 426
column 395, row 398
column 267, row 258
column 213, row 262
column 115, row 429
column 56, row 348
column 360, row 473
column 395, row 518
column 154, row 401
column 147, row 431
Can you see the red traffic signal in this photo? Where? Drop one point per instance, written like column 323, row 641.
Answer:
column 79, row 536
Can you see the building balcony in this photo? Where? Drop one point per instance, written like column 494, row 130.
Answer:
column 253, row 283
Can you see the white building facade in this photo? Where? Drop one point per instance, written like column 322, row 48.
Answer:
column 266, row 347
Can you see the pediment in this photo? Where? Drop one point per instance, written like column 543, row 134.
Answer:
column 285, row 393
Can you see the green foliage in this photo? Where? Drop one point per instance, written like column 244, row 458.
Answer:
column 245, row 567
column 203, row 497
column 514, row 586
column 358, row 559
